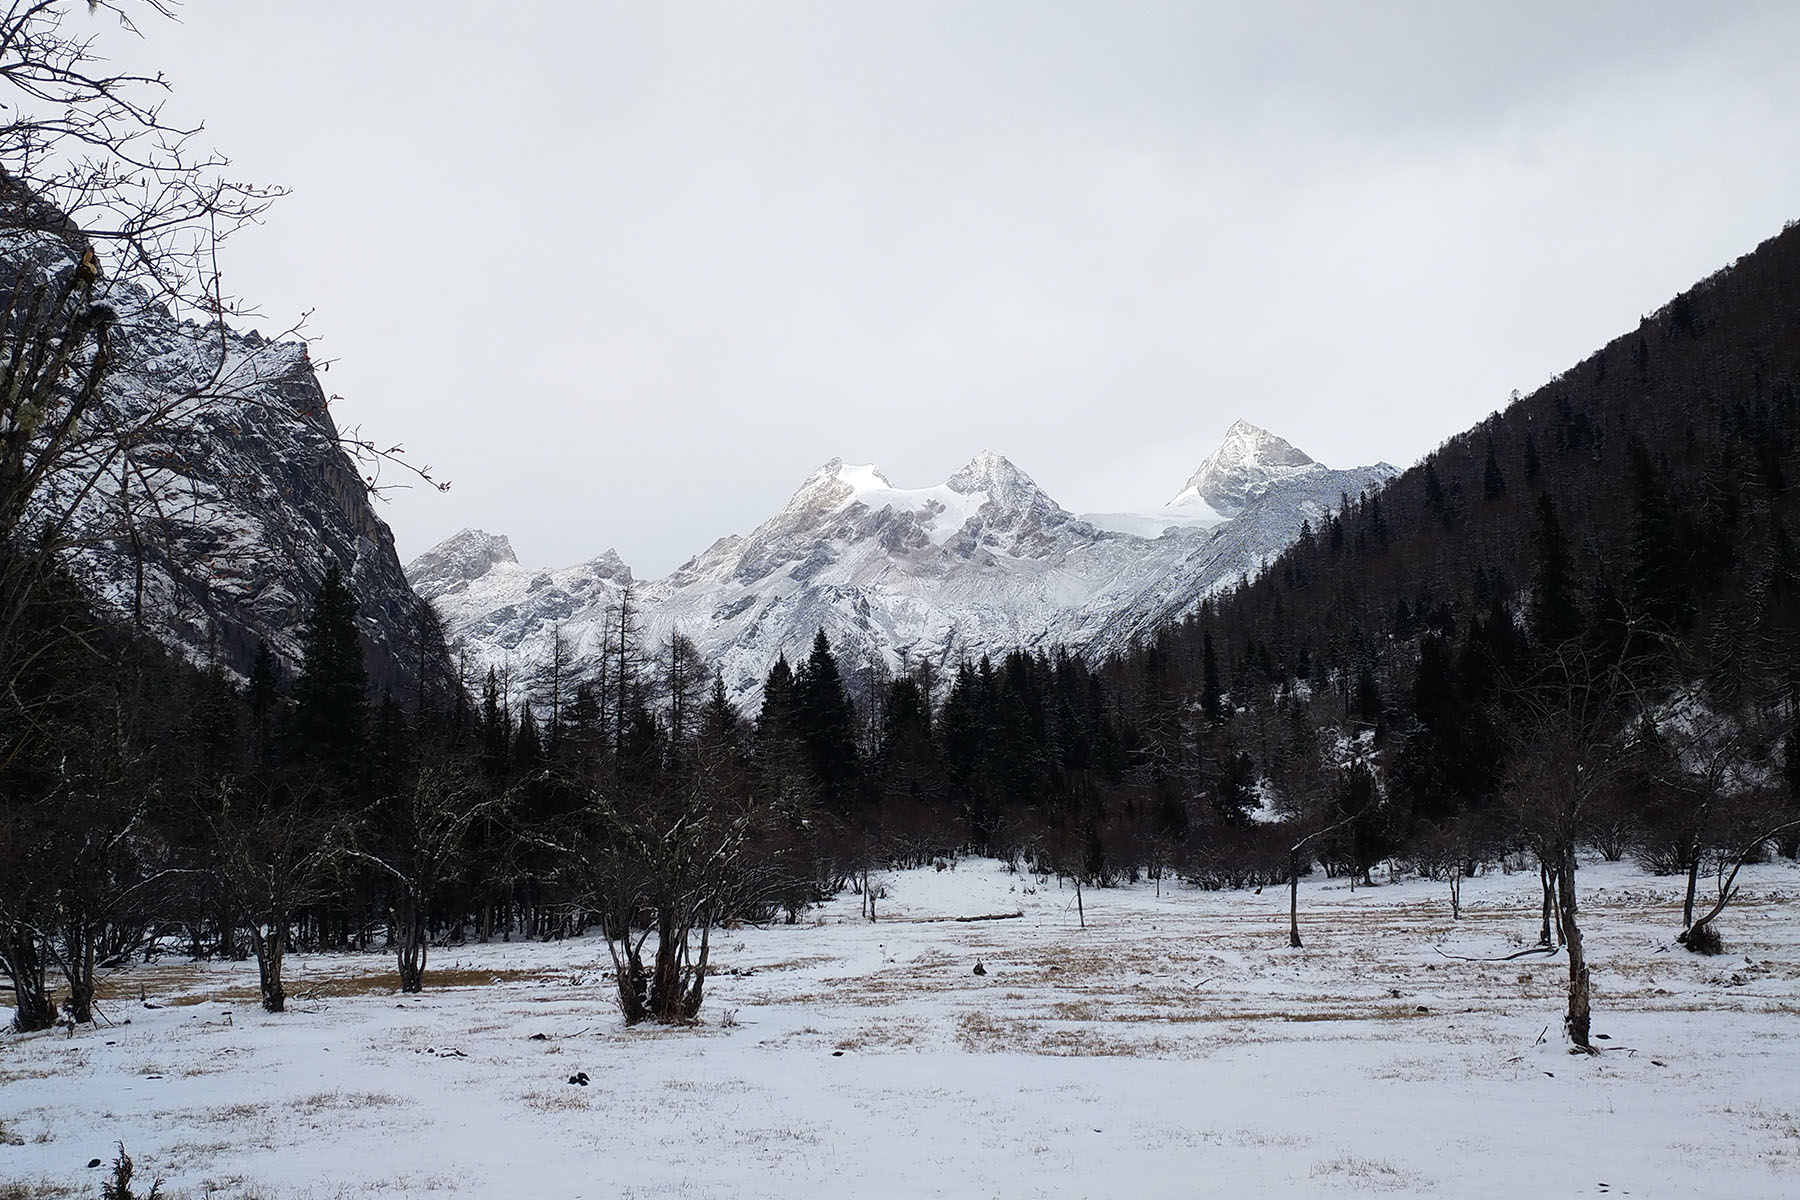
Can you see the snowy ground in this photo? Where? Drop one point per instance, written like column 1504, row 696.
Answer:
column 1176, row 1047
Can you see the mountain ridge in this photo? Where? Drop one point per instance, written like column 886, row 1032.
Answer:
column 986, row 560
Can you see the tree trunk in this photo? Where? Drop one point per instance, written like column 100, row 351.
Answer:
column 230, row 949
column 1294, row 898
column 270, row 945
column 78, row 969
column 1693, row 883
column 668, row 982
column 23, row 964
column 1545, row 879
column 411, row 942
column 628, row 974
column 1579, row 1017
column 696, row 990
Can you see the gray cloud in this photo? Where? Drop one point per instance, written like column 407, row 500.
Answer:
column 627, row 273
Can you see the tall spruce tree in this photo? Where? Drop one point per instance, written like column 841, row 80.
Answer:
column 1555, row 609
column 1493, row 483
column 1212, row 695
column 827, row 726
column 331, row 692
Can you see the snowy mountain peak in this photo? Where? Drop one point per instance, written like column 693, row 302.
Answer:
column 994, row 474
column 608, row 565
column 833, row 486
column 1247, row 463
column 459, row 559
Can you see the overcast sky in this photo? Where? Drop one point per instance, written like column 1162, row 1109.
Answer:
column 626, row 274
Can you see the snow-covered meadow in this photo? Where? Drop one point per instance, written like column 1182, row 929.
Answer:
column 1175, row 1047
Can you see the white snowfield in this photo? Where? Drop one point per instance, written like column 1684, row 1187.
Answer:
column 1175, row 1047
column 982, row 563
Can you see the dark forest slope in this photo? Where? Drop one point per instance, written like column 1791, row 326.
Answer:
column 1644, row 501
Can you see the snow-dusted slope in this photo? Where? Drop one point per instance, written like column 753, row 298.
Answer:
column 981, row 563
column 1238, row 547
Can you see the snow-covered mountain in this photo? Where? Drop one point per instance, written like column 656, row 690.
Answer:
column 983, row 562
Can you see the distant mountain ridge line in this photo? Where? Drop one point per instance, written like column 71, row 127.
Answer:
column 985, row 561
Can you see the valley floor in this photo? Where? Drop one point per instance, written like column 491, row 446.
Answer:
column 1175, row 1047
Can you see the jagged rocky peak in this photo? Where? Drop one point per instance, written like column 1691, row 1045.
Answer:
column 608, row 565
column 994, row 474
column 826, row 487
column 461, row 558
column 1247, row 463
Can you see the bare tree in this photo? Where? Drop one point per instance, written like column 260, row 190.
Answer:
column 274, row 851
column 1708, row 790
column 117, row 368
column 1568, row 747
column 555, row 684
column 1700, row 936
column 1295, row 862
column 669, row 857
column 422, row 847
column 27, row 905
column 1444, row 852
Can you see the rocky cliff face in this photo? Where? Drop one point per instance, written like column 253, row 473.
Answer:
column 214, row 517
column 981, row 563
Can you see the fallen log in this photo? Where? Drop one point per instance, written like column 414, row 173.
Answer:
column 1011, row 916
column 1546, row 950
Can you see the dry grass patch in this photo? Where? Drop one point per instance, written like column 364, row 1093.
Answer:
column 1369, row 1174
column 335, row 986
column 979, row 1033
column 568, row 1099
column 18, row 1073
column 338, row 1099
column 225, row 1114
column 786, row 964
column 888, row 1035
column 38, row 1189
column 175, row 985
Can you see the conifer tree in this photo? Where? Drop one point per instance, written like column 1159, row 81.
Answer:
column 1555, row 612
column 331, row 691
column 262, row 695
column 1493, row 483
column 1212, row 695
column 1434, row 488
column 495, row 729
column 527, row 747
column 1660, row 579
column 720, row 724
column 827, row 726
